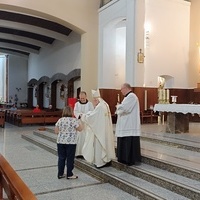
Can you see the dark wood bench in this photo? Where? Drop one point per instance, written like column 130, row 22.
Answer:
column 30, row 118
column 44, row 117
column 52, row 117
column 2, row 119
column 11, row 184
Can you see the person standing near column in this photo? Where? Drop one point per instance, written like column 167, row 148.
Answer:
column 81, row 107
column 128, row 127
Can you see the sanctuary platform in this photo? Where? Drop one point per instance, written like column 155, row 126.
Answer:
column 169, row 169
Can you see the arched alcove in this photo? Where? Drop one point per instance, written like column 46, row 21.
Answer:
column 32, row 82
column 169, row 81
column 112, row 72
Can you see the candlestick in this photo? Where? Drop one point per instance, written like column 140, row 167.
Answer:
column 174, row 98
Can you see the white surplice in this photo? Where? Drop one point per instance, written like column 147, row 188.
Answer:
column 128, row 117
column 79, row 109
column 99, row 142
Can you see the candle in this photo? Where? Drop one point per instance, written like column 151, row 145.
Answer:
column 168, row 94
column 160, row 95
column 145, row 100
column 163, row 95
column 118, row 98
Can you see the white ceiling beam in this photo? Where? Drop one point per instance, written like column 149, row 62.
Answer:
column 24, row 40
column 33, row 29
column 18, row 47
column 10, row 52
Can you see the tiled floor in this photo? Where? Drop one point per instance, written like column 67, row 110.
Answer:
column 38, row 168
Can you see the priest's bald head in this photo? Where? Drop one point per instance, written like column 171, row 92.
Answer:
column 126, row 88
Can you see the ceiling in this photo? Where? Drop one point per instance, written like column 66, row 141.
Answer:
column 23, row 34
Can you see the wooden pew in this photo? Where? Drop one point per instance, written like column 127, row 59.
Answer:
column 52, row 117
column 31, row 118
column 12, row 184
column 2, row 119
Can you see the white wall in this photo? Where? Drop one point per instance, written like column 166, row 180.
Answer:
column 110, row 16
column 115, row 69
column 168, row 46
column 61, row 58
column 167, row 53
column 194, row 72
column 2, row 78
column 18, row 72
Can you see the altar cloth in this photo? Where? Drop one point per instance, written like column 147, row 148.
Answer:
column 178, row 108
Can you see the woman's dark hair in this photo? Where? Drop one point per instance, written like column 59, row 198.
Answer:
column 67, row 112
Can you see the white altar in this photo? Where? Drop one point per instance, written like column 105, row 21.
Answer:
column 177, row 116
column 178, row 108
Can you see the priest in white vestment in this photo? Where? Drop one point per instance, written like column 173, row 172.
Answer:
column 81, row 107
column 128, row 127
column 99, row 143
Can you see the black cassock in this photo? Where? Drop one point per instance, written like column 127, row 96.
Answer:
column 128, row 150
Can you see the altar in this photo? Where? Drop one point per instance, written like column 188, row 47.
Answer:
column 177, row 116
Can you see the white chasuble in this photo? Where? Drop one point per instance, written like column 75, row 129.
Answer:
column 99, row 142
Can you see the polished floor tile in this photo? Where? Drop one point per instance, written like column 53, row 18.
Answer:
column 38, row 168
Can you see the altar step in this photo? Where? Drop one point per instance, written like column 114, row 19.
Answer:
column 174, row 140
column 153, row 179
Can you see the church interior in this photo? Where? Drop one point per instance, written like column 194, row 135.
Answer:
column 50, row 51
